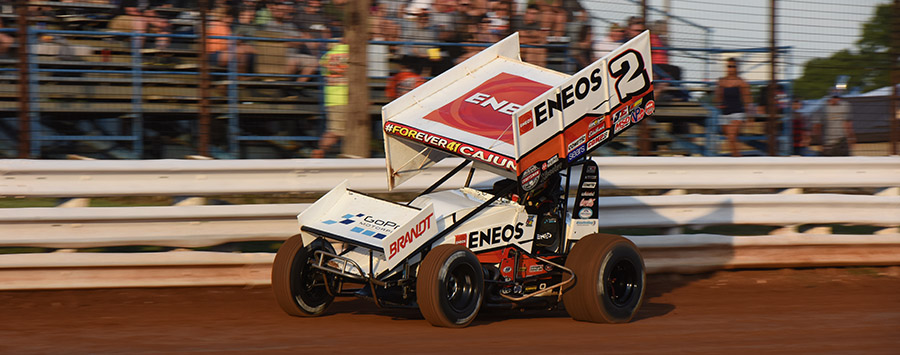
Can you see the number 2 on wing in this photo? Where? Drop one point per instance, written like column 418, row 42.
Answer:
column 630, row 74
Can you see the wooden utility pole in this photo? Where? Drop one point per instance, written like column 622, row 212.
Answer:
column 358, row 132
column 204, row 120
column 24, row 97
column 895, row 77
column 772, row 110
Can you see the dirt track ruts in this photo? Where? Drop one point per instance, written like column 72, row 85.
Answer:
column 771, row 311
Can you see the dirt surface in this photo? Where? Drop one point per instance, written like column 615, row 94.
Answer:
column 854, row 310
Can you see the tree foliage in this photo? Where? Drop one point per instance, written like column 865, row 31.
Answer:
column 868, row 66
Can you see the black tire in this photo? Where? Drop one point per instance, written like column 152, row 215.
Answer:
column 450, row 286
column 609, row 279
column 299, row 288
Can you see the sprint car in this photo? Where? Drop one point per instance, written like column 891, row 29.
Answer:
column 530, row 239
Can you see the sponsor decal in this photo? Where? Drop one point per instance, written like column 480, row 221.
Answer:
column 526, row 122
column 553, row 160
column 535, row 268
column 590, row 169
column 650, row 108
column 589, row 185
column 366, row 225
column 599, row 122
column 544, row 236
column 588, row 193
column 585, row 222
column 597, row 140
column 585, row 213
column 595, row 131
column 637, row 115
column 461, row 239
column 446, row 144
column 530, row 221
column 507, row 269
column 486, row 110
column 588, row 202
column 495, row 235
column 567, row 96
column 577, row 152
column 622, row 120
column 577, row 142
column 530, row 177
column 412, row 234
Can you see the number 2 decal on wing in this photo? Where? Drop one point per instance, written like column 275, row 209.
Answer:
column 630, row 73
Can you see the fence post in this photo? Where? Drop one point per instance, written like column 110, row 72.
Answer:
column 358, row 132
column 24, row 95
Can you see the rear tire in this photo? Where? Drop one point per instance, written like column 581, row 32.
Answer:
column 299, row 288
column 450, row 286
column 610, row 279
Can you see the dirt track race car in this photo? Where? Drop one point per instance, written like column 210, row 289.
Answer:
column 530, row 240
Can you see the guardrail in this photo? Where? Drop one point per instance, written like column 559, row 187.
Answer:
column 204, row 226
column 93, row 178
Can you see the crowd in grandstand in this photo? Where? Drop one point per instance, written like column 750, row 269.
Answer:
column 563, row 25
column 413, row 39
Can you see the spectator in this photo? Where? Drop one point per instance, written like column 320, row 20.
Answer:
column 781, row 100
column 498, row 17
column 334, row 67
column 300, row 59
column 800, row 129
column 733, row 98
column 219, row 53
column 482, row 32
column 138, row 20
column 660, row 57
column 312, row 24
column 835, row 129
column 614, row 38
column 415, row 28
column 404, row 81
column 553, row 17
column 380, row 29
column 6, row 42
column 444, row 21
column 582, row 38
column 532, row 34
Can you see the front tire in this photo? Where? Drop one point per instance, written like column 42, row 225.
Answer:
column 450, row 286
column 610, row 279
column 299, row 288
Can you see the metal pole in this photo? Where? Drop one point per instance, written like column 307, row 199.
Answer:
column 358, row 131
column 644, row 130
column 773, row 52
column 24, row 95
column 204, row 119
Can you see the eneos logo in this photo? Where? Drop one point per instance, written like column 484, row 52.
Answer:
column 486, row 110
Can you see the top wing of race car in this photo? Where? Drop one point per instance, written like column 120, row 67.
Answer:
column 516, row 119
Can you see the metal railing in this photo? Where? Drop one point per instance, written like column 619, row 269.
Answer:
column 799, row 224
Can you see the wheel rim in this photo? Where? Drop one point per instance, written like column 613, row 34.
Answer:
column 460, row 287
column 309, row 286
column 621, row 282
